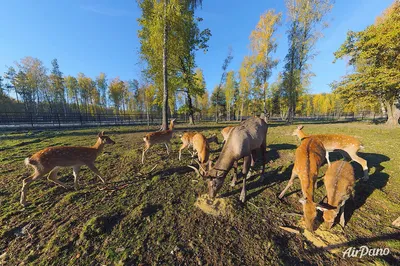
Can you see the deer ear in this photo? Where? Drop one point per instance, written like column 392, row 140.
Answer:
column 300, row 127
column 100, row 134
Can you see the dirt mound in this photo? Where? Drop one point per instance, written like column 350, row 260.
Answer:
column 216, row 207
column 324, row 239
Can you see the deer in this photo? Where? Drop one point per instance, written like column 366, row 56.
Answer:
column 51, row 159
column 158, row 137
column 201, row 146
column 339, row 184
column 346, row 145
column 187, row 141
column 225, row 133
column 308, row 159
column 243, row 140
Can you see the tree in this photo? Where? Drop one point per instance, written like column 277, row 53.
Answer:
column 218, row 100
column 374, row 55
column 230, row 87
column 306, row 17
column 160, row 22
column 225, row 65
column 263, row 43
column 72, row 90
column 116, row 90
column 101, row 82
column 246, row 73
column 57, row 85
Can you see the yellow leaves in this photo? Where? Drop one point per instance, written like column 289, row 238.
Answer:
column 262, row 40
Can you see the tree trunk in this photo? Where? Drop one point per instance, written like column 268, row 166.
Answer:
column 165, row 72
column 393, row 114
column 190, row 106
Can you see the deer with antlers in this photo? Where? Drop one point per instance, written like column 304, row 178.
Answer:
column 158, row 137
column 51, row 159
column 347, row 145
column 309, row 157
column 339, row 184
column 243, row 140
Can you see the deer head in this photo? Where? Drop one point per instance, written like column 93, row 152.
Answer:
column 105, row 139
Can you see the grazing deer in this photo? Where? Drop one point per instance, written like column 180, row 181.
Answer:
column 158, row 137
column 334, row 142
column 187, row 141
column 225, row 133
column 339, row 183
column 243, row 140
column 202, row 148
column 51, row 159
column 309, row 157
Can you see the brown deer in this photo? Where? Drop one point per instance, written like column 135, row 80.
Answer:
column 245, row 138
column 51, row 159
column 339, row 184
column 202, row 148
column 225, row 133
column 187, row 141
column 158, row 137
column 347, row 145
column 309, row 157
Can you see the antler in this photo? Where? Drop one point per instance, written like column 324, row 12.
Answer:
column 195, row 169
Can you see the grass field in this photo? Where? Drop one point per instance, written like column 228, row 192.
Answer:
column 150, row 218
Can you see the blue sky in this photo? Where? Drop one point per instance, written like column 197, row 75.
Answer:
column 93, row 36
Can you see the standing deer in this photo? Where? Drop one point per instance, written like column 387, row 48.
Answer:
column 335, row 142
column 309, row 157
column 339, row 184
column 158, row 137
column 51, row 159
column 187, row 141
column 248, row 136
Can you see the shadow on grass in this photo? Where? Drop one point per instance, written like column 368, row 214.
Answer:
column 363, row 189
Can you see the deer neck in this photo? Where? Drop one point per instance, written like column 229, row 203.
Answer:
column 301, row 135
column 98, row 146
column 171, row 125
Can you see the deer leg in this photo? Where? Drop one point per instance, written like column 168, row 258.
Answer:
column 25, row 186
column 246, row 174
column 75, row 171
column 183, row 146
column 166, row 146
column 293, row 176
column 362, row 162
column 53, row 177
column 234, row 178
column 96, row 171
column 145, row 149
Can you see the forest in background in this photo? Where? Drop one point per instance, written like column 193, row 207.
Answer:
column 177, row 85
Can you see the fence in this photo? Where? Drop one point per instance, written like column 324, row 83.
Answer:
column 33, row 120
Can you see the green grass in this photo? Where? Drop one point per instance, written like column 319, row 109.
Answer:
column 151, row 218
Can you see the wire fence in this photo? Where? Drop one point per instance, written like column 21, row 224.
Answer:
column 43, row 120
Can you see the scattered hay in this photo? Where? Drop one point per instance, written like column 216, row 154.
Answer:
column 325, row 239
column 216, row 207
